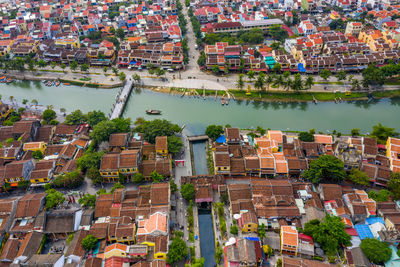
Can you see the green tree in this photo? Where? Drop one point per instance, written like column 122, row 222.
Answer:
column 174, row 144
column 120, row 33
column 359, row 177
column 373, row 76
column 137, row 178
column 54, row 198
column 214, row 131
column 259, row 84
column 73, row 65
column 117, row 186
column 90, row 159
column 215, row 69
column 297, row 84
column 306, row 137
column 42, row 63
column 136, row 77
column 201, row 61
column 341, row 75
column 88, row 200
column 376, row 251
column 94, row 175
column 122, row 76
column 84, row 67
column 188, row 191
column 156, row 177
column 34, row 102
column 251, row 74
column 53, row 64
column 63, row 66
column 382, row 133
column 309, row 82
column 325, row 74
column 37, row 154
column 105, row 69
column 173, row 186
column 24, row 101
column 277, row 68
column 89, row 242
column 326, row 167
column 177, row 251
column 94, row 117
column 394, row 184
column 261, row 130
column 278, row 33
column 382, row 196
column 355, row 132
column 102, row 131
column 234, row 230
column 49, row 115
column 154, row 128
column 75, row 118
column 240, row 82
column 330, row 233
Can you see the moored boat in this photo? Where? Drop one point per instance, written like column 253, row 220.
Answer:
column 67, row 84
column 222, row 101
column 153, row 112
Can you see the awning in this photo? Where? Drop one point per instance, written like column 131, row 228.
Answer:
column 301, row 67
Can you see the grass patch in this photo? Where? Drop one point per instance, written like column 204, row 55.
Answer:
column 392, row 83
column 210, row 161
column 85, row 79
column 219, row 209
column 78, row 83
column 58, row 71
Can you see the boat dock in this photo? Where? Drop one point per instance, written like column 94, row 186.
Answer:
column 122, row 97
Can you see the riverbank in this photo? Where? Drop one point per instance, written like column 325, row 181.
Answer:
column 279, row 96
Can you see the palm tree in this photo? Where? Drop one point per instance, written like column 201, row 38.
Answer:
column 240, row 82
column 34, row 102
column 50, row 107
column 251, row 74
column 355, row 84
column 287, row 84
column 268, row 81
column 136, row 77
column 279, row 80
column 259, row 84
column 309, row 82
column 24, row 101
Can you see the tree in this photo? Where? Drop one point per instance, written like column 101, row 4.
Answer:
column 75, row 118
column 240, row 82
column 53, row 64
column 90, row 159
column 122, row 76
column 49, row 115
column 105, row 69
column 42, row 63
column 355, row 132
column 251, row 74
column 376, row 251
column 173, row 186
column 373, row 76
column 120, row 33
column 326, row 167
column 94, row 175
column 137, row 178
column 94, row 117
column 37, row 154
column 214, row 131
column 262, row 231
column 234, row 230
column 89, row 242
column 88, row 200
column 136, row 77
column 394, row 184
column 330, row 233
column 277, row 67
column 160, row 72
column 201, row 61
column 309, row 82
column 84, row 67
column 24, row 101
column 63, row 66
column 382, row 196
column 259, row 84
column 174, row 144
column 177, row 250
column 156, row 177
column 306, row 137
column 187, row 191
column 102, row 131
column 341, row 75
column 215, row 69
column 117, row 186
column 261, row 130
column 297, row 84
column 69, row 180
column 73, row 65
column 54, row 198
column 278, row 33
column 115, row 70
column 325, row 74
column 359, row 177
column 382, row 133
column 34, row 102
column 154, row 128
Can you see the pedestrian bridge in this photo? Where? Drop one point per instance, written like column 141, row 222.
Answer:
column 121, row 99
column 194, row 138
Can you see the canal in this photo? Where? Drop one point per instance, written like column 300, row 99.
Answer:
column 199, row 157
column 198, row 113
column 207, row 245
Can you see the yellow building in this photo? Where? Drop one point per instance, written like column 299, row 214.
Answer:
column 248, row 222
column 68, row 42
column 162, row 146
column 109, row 167
column 5, row 47
column 393, row 153
column 35, row 146
column 289, row 240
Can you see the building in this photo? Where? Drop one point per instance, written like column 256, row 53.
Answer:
column 289, row 240
column 18, row 171
column 248, row 222
column 393, row 153
column 162, row 146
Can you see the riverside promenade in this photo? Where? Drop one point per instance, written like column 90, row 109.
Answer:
column 121, row 99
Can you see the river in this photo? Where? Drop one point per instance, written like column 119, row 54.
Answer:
column 197, row 113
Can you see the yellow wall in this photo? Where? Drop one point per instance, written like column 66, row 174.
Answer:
column 41, row 148
column 40, row 180
column 162, row 152
column 249, row 227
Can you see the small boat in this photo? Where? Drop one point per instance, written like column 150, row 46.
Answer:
column 67, row 84
column 226, row 101
column 9, row 80
column 58, row 83
column 153, row 112
column 222, row 101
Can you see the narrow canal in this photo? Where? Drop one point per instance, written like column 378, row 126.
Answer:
column 207, row 246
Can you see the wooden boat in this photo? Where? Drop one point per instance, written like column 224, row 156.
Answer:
column 222, row 101
column 58, row 83
column 227, row 101
column 153, row 112
column 9, row 80
column 67, row 84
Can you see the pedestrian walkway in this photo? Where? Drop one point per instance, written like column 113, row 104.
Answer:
column 122, row 97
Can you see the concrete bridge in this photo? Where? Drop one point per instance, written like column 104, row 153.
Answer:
column 122, row 97
column 194, row 138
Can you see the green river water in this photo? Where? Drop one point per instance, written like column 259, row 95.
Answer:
column 197, row 113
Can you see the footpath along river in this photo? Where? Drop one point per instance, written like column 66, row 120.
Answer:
column 197, row 113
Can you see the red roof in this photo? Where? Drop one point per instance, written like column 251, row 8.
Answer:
column 351, row 231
